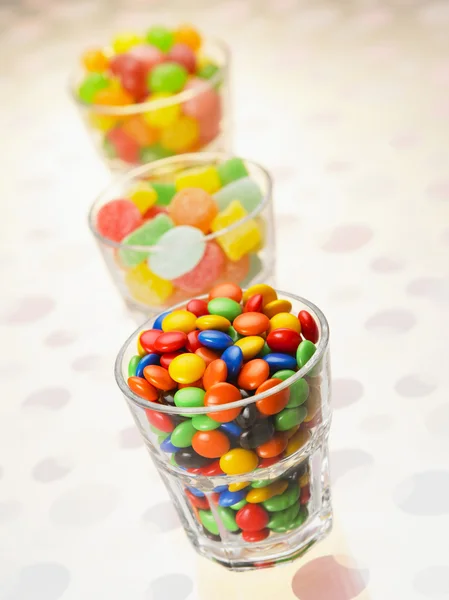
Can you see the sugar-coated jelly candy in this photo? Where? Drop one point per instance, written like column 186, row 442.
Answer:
column 187, row 368
column 193, row 206
column 251, row 323
column 205, row 103
column 231, row 170
column 179, row 250
column 143, row 196
column 211, row 444
column 205, row 178
column 184, row 56
column 91, row 85
column 149, row 56
column 304, row 353
column 145, row 361
column 116, row 219
column 274, row 403
column 216, row 340
column 186, row 34
column 165, row 192
column 125, row 41
column 147, row 234
column 164, row 115
column 125, row 147
column 146, row 287
column 245, row 190
column 238, row 461
column 222, row 393
column 160, row 37
column 233, row 357
column 95, row 60
column 252, row 517
column 242, row 238
column 181, row 135
column 207, row 70
column 260, row 433
column 179, row 320
column 253, row 374
column 208, row 270
column 167, row 77
column 154, row 152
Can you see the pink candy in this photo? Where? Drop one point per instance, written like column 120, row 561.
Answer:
column 116, row 219
column 206, row 271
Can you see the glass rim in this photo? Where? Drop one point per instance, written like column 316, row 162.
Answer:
column 202, row 157
column 201, row 410
column 139, row 107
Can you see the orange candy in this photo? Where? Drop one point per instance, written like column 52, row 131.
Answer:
column 273, row 447
column 274, row 403
column 142, row 388
column 251, row 323
column 207, row 355
column 222, row 393
column 159, row 377
column 216, row 372
column 226, row 290
column 95, row 61
column 189, row 36
column 113, row 96
column 198, row 383
column 253, row 374
column 195, row 207
column 210, row 444
column 140, row 131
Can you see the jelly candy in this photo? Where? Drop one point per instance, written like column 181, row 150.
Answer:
column 205, row 178
column 147, row 234
column 180, row 135
column 161, row 37
column 167, row 77
column 193, row 206
column 242, row 238
column 164, row 191
column 245, row 190
column 165, row 115
column 204, row 103
column 95, row 61
column 146, row 287
column 231, row 170
column 125, row 41
column 143, row 196
column 207, row 271
column 188, row 35
column 92, row 84
column 178, row 251
column 184, row 56
column 138, row 130
column 116, row 219
column 149, row 56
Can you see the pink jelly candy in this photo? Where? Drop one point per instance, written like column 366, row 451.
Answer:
column 183, row 55
column 116, row 219
column 124, row 146
column 206, row 101
column 206, row 272
column 150, row 56
column 153, row 211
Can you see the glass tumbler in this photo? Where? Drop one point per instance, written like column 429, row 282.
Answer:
column 241, row 249
column 251, row 489
column 195, row 119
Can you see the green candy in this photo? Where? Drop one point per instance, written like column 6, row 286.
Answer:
column 265, row 350
column 161, row 438
column 154, row 152
column 284, row 518
column 168, row 77
column 173, row 460
column 157, row 431
column 279, row 529
column 208, row 521
column 207, row 71
column 165, row 192
column 224, row 307
column 108, row 148
column 245, row 190
column 189, row 397
column 260, row 483
column 182, row 434
column 304, row 353
column 132, row 367
column 227, row 517
column 283, row 374
column 300, row 518
column 92, row 84
column 161, row 37
column 299, row 391
column 232, row 170
column 145, row 235
column 204, row 423
column 239, row 505
column 289, row 417
column 234, row 335
column 277, row 503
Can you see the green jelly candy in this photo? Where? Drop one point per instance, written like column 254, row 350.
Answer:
column 289, row 497
column 108, row 148
column 284, row 518
column 182, row 434
column 289, row 417
column 261, row 483
column 161, row 37
column 168, row 77
column 239, row 505
column 93, row 83
column 265, row 350
column 234, row 335
column 145, row 235
column 232, row 170
column 304, row 353
column 132, row 367
column 227, row 517
column 155, row 152
column 245, row 190
column 207, row 71
column 255, row 269
column 208, row 521
column 225, row 307
column 164, row 191
column 203, row 422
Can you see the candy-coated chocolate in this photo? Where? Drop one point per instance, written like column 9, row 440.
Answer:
column 226, row 290
column 289, row 417
column 273, row 447
column 254, row 304
column 277, row 361
column 170, row 341
column 268, row 462
column 213, row 322
column 305, row 352
column 253, row 374
column 204, row 423
column 277, row 306
column 297, row 441
column 269, row 294
column 252, row 517
column 158, row 322
column 231, row 429
column 299, row 390
column 285, row 320
column 309, row 328
column 187, row 368
column 197, row 307
column 215, row 340
column 285, row 500
column 238, row 461
column 147, row 339
column 187, row 457
column 182, row 435
column 250, row 346
column 284, row 518
column 189, row 397
column 233, row 358
column 274, row 403
column 283, row 340
column 234, row 335
column 239, row 505
column 133, row 364
column 211, row 470
column 207, row 354
column 258, row 495
column 168, row 357
column 248, row 416
column 255, row 536
column 216, row 372
column 167, row 446
column 201, row 503
column 260, row 483
column 237, row 486
column 141, row 387
column 260, row 433
column 179, row 320
column 222, row 393
column 228, row 498
column 208, row 521
column 224, row 307
column 210, row 444
column 193, row 342
column 159, row 377
column 305, row 495
column 145, row 361
column 161, row 421
column 251, row 323
column 227, row 517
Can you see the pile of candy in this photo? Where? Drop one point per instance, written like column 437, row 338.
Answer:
column 155, row 67
column 172, row 220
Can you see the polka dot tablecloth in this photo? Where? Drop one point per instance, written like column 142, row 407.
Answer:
column 347, row 102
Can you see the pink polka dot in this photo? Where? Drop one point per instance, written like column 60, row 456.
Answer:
column 28, row 310
column 372, row 19
column 348, row 238
column 386, row 264
column 414, row 386
column 439, row 190
column 394, row 320
column 52, row 398
column 345, row 392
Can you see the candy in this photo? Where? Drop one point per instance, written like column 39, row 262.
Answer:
column 189, row 397
column 187, row 368
column 94, row 60
column 193, row 206
column 283, row 340
column 188, row 458
column 205, row 178
column 231, row 429
column 306, row 350
column 297, row 441
column 253, row 374
column 165, row 115
column 133, row 364
column 233, row 358
column 285, row 321
column 170, row 341
column 204, row 105
column 181, row 135
column 149, row 56
column 217, row 340
column 245, row 190
column 260, row 433
column 248, row 416
column 184, row 56
column 216, row 372
column 251, row 323
column 159, row 377
column 205, row 272
column 254, row 304
column 116, row 219
column 154, row 152
column 226, row 290
column 192, row 343
column 222, row 393
column 92, row 84
column 147, row 234
column 269, row 294
column 228, row 498
column 227, row 517
column 167, row 77
column 186, row 34
column 250, row 346
column 207, row 355
column 231, row 170
column 258, row 495
column 277, row 306
column 299, row 390
column 161, row 37
column 179, row 320
column 147, row 340
column 179, row 250
column 165, row 192
column 277, row 360
column 255, row 536
column 146, row 287
column 211, row 444
column 238, row 461
column 125, row 41
column 252, row 517
column 285, row 518
column 290, row 417
column 145, row 361
column 285, row 500
column 204, row 423
column 125, row 147
column 242, row 238
column 142, row 388
column 275, row 402
column 168, row 357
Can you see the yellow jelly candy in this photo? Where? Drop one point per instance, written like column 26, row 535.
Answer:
column 213, row 322
column 95, row 60
column 143, row 196
column 277, row 306
column 188, row 35
column 243, row 238
column 179, row 320
column 165, row 116
column 146, row 287
column 102, row 122
column 296, row 442
column 237, row 460
column 250, row 346
column 186, row 368
column 285, row 320
column 125, row 41
column 269, row 294
column 236, row 487
column 257, row 495
column 205, row 178
column 180, row 135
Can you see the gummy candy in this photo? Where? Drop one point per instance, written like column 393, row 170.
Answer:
column 245, row 190
column 241, row 239
column 178, row 252
column 117, row 219
column 180, row 135
column 146, row 235
column 167, row 77
column 206, row 272
column 195, row 207
column 146, row 287
column 143, row 196
column 205, row 178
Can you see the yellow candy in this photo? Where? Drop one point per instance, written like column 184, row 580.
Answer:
column 102, row 122
column 277, row 306
column 146, row 287
column 304, row 480
column 296, row 442
column 250, row 346
column 143, row 196
column 257, row 495
column 242, row 239
column 238, row 460
column 140, row 350
column 213, row 322
column 125, row 41
column 162, row 117
column 186, row 368
column 205, row 178
column 236, row 487
column 179, row 320
column 180, row 135
column 291, row 432
column 285, row 320
column 269, row 294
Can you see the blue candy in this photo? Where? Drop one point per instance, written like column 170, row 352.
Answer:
column 231, row 429
column 233, row 357
column 229, row 498
column 167, row 446
column 221, row 488
column 216, row 340
column 149, row 359
column 278, row 360
column 195, row 492
column 158, row 323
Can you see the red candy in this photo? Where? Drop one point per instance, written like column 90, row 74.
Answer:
column 132, row 74
column 160, row 420
column 283, row 340
column 147, row 339
column 193, row 343
column 168, row 357
column 206, row 271
column 309, row 328
column 252, row 517
column 268, row 462
column 197, row 307
column 255, row 536
column 125, row 147
column 254, row 304
column 201, row 503
column 273, row 447
column 305, row 494
column 150, row 56
column 184, row 56
column 170, row 341
column 116, row 219
column 210, row 470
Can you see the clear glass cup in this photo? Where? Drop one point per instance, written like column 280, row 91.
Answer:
column 195, row 119
column 136, row 284
column 291, row 465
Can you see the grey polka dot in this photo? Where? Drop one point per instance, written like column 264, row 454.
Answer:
column 59, row 338
column 53, row 398
column 394, row 320
column 42, row 581
column 130, row 438
column 433, row 582
column 348, row 238
column 345, row 392
column 385, row 264
column 49, row 470
column 429, row 287
column 163, row 515
column 424, row 494
column 377, row 423
column 412, row 386
column 90, row 362
column 438, row 420
column 345, row 460
column 85, row 505
column 9, row 510
column 175, row 586
column 27, row 310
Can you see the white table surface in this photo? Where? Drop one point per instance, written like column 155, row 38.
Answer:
column 347, row 103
